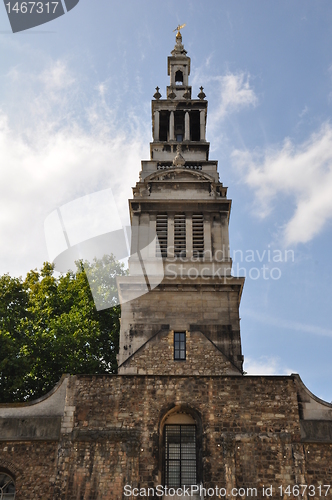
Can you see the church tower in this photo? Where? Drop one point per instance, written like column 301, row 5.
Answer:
column 179, row 416
column 180, row 304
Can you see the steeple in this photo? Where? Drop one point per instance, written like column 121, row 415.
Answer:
column 179, row 118
column 179, row 216
column 179, row 71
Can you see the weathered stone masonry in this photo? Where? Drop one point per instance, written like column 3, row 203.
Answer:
column 249, row 431
column 249, row 425
column 181, row 410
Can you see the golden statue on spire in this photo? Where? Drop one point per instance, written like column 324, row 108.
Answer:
column 178, row 28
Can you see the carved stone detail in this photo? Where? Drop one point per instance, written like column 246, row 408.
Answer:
column 179, row 161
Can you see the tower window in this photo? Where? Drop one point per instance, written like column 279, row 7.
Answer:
column 179, row 125
column 161, row 230
column 180, row 235
column 198, row 235
column 180, row 455
column 195, row 125
column 163, row 125
column 179, row 78
column 179, row 346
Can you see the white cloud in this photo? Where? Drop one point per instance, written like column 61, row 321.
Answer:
column 51, row 154
column 266, row 365
column 57, row 77
column 235, row 93
column 304, row 111
column 229, row 93
column 303, row 173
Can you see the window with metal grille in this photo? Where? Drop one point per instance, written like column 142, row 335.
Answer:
column 161, row 230
column 198, row 235
column 180, row 235
column 179, row 346
column 180, row 455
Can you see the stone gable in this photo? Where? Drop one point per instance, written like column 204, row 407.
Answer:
column 156, row 357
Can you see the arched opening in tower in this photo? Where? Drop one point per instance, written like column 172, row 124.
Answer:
column 179, row 77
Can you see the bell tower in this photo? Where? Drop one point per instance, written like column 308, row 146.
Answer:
column 179, row 71
column 179, row 118
column 180, row 302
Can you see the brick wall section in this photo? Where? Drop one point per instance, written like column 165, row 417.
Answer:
column 318, row 460
column 249, row 424
column 34, row 467
column 202, row 357
column 248, row 427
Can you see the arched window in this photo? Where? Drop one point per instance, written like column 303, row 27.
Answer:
column 179, row 78
column 180, row 451
column 7, row 487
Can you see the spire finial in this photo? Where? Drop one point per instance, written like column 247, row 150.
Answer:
column 179, row 49
column 201, row 95
column 157, row 94
column 178, row 28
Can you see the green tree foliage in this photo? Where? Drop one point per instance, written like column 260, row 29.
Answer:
column 49, row 326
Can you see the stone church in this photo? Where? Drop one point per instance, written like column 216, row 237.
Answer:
column 181, row 419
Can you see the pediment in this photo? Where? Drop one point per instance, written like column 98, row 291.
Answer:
column 179, row 174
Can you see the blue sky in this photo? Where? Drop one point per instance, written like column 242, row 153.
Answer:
column 75, row 118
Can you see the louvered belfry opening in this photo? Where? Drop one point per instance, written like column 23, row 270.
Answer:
column 198, row 235
column 180, row 455
column 161, row 230
column 180, row 235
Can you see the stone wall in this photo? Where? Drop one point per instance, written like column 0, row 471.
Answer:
column 33, row 467
column 318, row 461
column 248, row 436
column 247, row 426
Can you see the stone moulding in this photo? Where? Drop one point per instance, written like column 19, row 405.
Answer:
column 316, row 431
column 30, row 429
column 315, row 415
